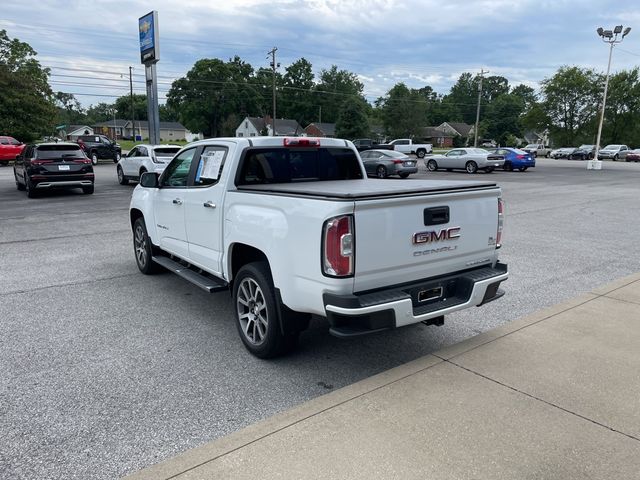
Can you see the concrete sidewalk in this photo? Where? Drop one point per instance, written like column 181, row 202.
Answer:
column 555, row 395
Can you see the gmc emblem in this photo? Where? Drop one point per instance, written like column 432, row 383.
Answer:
column 433, row 236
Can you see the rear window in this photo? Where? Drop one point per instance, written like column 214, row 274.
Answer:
column 166, row 151
column 59, row 151
column 286, row 165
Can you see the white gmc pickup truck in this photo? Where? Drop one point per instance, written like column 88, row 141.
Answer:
column 294, row 228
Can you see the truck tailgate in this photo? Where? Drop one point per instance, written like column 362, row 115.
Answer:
column 406, row 238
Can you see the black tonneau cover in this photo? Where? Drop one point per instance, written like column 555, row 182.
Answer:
column 369, row 188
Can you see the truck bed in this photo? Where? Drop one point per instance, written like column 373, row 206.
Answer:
column 367, row 189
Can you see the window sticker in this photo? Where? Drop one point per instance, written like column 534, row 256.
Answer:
column 210, row 165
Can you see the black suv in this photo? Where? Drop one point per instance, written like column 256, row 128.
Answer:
column 42, row 166
column 99, row 146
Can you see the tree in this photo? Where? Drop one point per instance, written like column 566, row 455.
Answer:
column 353, row 119
column 502, row 117
column 69, row 110
column 571, row 97
column 621, row 124
column 123, row 107
column 100, row 113
column 27, row 108
column 404, row 111
column 296, row 97
column 211, row 92
column 334, row 88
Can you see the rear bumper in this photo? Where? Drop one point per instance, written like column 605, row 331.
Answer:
column 64, row 184
column 352, row 315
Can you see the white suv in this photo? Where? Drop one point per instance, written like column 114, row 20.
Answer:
column 145, row 158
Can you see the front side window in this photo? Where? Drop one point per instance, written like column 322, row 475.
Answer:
column 177, row 172
column 210, row 166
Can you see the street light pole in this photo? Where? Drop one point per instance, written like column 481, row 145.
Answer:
column 610, row 37
column 475, row 130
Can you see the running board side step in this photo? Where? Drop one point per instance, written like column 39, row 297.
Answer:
column 205, row 282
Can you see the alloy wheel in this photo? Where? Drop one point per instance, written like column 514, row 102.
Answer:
column 252, row 311
column 140, row 245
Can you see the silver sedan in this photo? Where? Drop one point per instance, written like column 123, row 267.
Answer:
column 470, row 159
column 383, row 163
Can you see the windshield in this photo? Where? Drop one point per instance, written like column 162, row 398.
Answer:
column 612, row 147
column 586, row 147
column 478, row 151
column 532, row 145
column 517, row 151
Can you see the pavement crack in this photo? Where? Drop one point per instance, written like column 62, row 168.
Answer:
column 68, row 284
column 30, row 240
column 551, row 404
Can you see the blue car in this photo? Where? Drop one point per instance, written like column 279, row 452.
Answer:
column 515, row 159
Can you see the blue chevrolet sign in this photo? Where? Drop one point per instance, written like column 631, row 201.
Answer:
column 148, row 29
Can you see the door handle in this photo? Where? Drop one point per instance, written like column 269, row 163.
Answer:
column 177, row 201
column 209, row 204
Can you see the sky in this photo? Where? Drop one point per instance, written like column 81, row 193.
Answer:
column 89, row 46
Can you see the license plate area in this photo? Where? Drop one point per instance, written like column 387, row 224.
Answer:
column 63, row 167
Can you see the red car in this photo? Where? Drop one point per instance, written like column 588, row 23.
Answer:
column 10, row 148
column 633, row 155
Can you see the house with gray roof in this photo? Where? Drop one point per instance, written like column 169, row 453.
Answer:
column 257, row 126
column 461, row 129
column 321, row 130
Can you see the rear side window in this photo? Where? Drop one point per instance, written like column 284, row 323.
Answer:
column 286, row 165
column 166, row 151
column 59, row 151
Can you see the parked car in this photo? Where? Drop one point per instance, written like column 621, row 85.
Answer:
column 10, row 148
column 363, row 144
column 144, row 158
column 515, row 159
column 633, row 155
column 42, row 166
column 537, row 149
column 100, row 146
column 563, row 152
column 406, row 145
column 614, row 152
column 583, row 152
column 469, row 159
column 383, row 163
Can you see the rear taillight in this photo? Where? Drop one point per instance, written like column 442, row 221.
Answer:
column 398, row 161
column 500, row 222
column 36, row 162
column 337, row 248
column 520, row 157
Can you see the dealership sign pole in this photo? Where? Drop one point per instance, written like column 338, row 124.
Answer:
column 149, row 56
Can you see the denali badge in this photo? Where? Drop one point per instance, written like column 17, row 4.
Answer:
column 433, row 236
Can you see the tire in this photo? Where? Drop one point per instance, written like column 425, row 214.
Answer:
column 94, row 158
column 381, row 172
column 143, row 249
column 117, row 158
column 432, row 165
column 615, row 157
column 523, row 169
column 4, row 163
column 488, row 169
column 471, row 167
column 257, row 312
column 142, row 170
column 30, row 188
column 122, row 180
column 421, row 153
column 403, row 175
column 535, row 154
column 507, row 167
column 88, row 190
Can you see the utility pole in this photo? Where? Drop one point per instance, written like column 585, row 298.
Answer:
column 320, row 114
column 133, row 125
column 475, row 130
column 274, row 66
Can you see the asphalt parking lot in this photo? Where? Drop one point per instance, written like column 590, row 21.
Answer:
column 106, row 371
